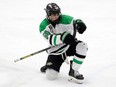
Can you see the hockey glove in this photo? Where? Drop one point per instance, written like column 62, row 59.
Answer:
column 67, row 38
column 79, row 25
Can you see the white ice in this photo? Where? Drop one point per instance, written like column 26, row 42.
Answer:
column 19, row 36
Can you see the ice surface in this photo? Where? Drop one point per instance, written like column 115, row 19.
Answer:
column 19, row 36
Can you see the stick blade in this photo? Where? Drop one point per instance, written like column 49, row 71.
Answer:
column 16, row 60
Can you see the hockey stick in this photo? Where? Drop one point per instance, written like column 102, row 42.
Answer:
column 24, row 57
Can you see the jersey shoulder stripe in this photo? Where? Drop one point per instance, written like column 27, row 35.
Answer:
column 66, row 19
column 43, row 25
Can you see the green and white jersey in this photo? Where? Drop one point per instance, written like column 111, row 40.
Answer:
column 53, row 34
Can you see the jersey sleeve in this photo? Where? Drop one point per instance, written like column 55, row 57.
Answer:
column 53, row 39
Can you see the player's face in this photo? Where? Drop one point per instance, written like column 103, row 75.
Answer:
column 54, row 17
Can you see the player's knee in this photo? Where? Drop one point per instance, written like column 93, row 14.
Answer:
column 51, row 74
column 81, row 48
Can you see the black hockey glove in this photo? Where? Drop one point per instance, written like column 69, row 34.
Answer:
column 67, row 38
column 79, row 25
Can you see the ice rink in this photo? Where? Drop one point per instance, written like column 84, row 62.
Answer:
column 19, row 36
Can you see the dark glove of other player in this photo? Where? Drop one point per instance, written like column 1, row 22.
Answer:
column 67, row 38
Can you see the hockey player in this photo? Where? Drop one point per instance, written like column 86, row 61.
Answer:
column 60, row 32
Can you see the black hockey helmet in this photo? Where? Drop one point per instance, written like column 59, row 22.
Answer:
column 52, row 8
